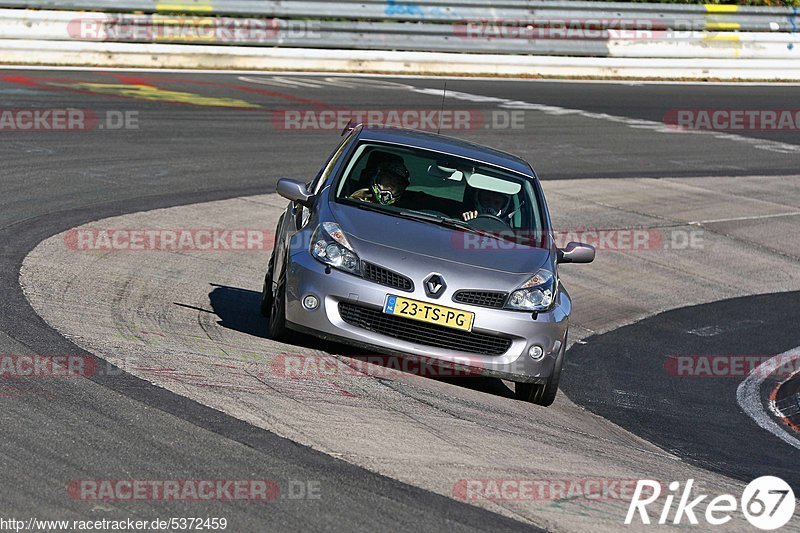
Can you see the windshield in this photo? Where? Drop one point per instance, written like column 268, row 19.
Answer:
column 444, row 189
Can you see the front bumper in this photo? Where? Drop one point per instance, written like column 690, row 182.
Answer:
column 307, row 276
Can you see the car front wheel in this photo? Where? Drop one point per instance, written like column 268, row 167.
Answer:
column 266, row 293
column 543, row 394
column 277, row 314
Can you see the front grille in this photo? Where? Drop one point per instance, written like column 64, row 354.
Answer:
column 422, row 332
column 384, row 276
column 481, row 298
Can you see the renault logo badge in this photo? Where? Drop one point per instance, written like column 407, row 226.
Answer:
column 434, row 285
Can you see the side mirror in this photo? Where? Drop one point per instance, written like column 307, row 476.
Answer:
column 294, row 191
column 576, row 252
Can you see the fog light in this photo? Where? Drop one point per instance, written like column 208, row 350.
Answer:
column 536, row 352
column 310, row 302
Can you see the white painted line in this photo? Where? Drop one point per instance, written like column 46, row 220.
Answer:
column 658, row 127
column 515, row 79
column 752, row 217
column 749, row 396
column 328, row 81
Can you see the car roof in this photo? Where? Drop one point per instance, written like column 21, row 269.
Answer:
column 445, row 144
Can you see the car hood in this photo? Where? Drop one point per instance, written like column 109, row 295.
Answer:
column 409, row 241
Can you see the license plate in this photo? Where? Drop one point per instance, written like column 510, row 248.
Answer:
column 425, row 312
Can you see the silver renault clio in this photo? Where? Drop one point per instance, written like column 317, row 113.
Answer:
column 425, row 246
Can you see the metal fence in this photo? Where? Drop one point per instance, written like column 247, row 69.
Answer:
column 674, row 16
column 589, row 29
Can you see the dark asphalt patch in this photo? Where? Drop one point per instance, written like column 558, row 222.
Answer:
column 629, row 377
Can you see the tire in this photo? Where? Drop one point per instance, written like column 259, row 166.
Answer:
column 543, row 394
column 266, row 293
column 276, row 321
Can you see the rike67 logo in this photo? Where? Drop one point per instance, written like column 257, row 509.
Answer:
column 767, row 503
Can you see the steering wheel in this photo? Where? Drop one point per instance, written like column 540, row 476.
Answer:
column 486, row 221
column 492, row 217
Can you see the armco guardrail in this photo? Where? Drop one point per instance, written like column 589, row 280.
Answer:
column 663, row 16
column 520, row 28
column 581, row 37
column 104, row 54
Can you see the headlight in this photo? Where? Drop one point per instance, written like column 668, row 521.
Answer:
column 536, row 294
column 330, row 246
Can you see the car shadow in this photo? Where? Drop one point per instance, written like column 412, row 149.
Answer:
column 238, row 309
column 493, row 386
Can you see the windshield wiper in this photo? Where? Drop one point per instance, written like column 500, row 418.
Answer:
column 448, row 223
column 424, row 217
column 413, row 215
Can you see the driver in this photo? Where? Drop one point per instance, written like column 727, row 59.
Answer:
column 489, row 203
column 386, row 186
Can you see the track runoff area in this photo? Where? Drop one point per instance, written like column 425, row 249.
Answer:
column 138, row 236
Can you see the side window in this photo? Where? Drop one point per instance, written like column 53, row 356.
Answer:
column 316, row 184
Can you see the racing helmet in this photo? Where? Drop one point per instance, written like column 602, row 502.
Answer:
column 499, row 204
column 389, row 182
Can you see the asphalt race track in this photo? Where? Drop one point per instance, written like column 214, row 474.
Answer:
column 697, row 411
column 206, row 149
